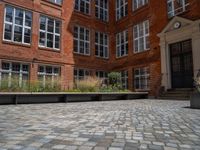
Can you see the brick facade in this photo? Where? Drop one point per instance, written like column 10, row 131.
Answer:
column 155, row 12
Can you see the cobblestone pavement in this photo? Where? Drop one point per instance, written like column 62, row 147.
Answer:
column 115, row 125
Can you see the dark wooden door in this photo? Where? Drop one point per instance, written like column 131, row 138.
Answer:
column 181, row 64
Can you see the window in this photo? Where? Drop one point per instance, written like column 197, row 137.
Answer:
column 176, row 7
column 80, row 74
column 59, row 2
column 124, row 79
column 82, row 6
column 141, row 77
column 101, row 9
column 103, row 76
column 101, row 45
column 48, row 76
column 122, row 43
column 81, row 40
column 17, row 25
column 141, row 37
column 49, row 33
column 121, row 9
column 14, row 74
column 139, row 3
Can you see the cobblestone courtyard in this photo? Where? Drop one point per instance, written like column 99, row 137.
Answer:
column 115, row 125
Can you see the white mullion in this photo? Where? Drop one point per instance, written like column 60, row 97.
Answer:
column 99, row 45
column 144, row 36
column 46, row 26
column 78, row 39
column 20, row 76
column 23, row 27
column 54, row 30
column 10, row 74
column 13, row 26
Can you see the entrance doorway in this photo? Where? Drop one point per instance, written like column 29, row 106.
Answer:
column 181, row 64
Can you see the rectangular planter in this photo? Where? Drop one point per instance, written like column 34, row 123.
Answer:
column 195, row 100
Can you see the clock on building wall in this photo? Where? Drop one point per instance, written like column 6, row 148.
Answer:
column 177, row 25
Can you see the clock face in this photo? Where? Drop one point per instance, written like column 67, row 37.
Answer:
column 177, row 25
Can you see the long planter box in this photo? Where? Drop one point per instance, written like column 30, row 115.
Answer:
column 30, row 98
column 195, row 100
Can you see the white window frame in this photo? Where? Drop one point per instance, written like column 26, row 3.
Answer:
column 173, row 12
column 144, row 26
column 13, row 25
column 54, row 33
column 145, row 77
column 105, row 76
column 56, row 2
column 79, row 6
column 119, row 13
column 124, row 77
column 104, row 45
column 10, row 72
column 44, row 74
column 105, row 10
column 78, row 78
column 139, row 3
column 84, row 41
column 119, row 43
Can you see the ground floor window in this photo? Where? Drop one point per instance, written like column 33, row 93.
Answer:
column 124, row 79
column 80, row 74
column 103, row 76
column 14, row 74
column 141, row 78
column 48, row 76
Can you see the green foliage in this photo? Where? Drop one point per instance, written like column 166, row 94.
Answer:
column 114, row 79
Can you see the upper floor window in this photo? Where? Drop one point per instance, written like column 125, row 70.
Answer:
column 141, row 37
column 49, row 32
column 139, row 3
column 101, row 45
column 121, row 9
column 59, row 2
column 176, row 7
column 101, row 9
column 141, row 78
column 81, row 40
column 17, row 25
column 122, row 43
column 14, row 74
column 48, row 76
column 82, row 6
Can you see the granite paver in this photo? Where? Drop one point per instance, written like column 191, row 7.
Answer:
column 111, row 125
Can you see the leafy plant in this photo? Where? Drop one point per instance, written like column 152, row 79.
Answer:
column 114, row 79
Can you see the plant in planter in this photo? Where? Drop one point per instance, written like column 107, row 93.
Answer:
column 195, row 97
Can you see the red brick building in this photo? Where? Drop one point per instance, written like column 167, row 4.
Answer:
column 153, row 44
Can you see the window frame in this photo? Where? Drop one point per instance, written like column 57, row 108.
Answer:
column 23, row 26
column 55, row 2
column 44, row 74
column 78, row 78
column 143, row 3
column 47, row 32
column 10, row 71
column 124, row 77
column 120, row 43
column 98, row 9
column 104, row 45
column 118, row 10
column 146, row 77
column 143, row 37
column 80, row 40
column 79, row 7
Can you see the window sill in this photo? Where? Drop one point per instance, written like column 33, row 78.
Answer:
column 121, row 57
column 140, row 9
column 145, row 51
column 52, row 4
column 49, row 49
column 80, row 54
column 122, row 19
column 17, row 44
column 81, row 13
column 102, row 58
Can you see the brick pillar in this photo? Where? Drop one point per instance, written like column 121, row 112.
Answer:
column 33, row 72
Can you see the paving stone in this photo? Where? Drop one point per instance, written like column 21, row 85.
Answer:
column 128, row 125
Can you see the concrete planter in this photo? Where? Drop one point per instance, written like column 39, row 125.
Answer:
column 30, row 98
column 195, row 100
